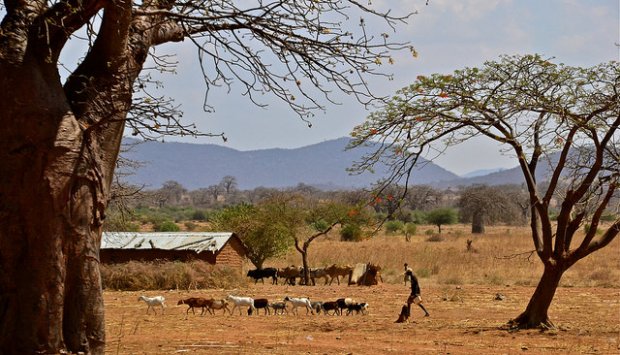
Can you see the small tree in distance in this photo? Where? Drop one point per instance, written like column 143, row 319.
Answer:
column 263, row 229
column 560, row 123
column 442, row 216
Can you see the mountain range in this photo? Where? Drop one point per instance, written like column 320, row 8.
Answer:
column 322, row 165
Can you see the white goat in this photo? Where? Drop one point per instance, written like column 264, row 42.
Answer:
column 299, row 302
column 241, row 301
column 152, row 302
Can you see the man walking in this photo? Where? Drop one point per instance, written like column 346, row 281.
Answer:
column 415, row 296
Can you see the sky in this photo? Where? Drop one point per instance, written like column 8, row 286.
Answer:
column 448, row 35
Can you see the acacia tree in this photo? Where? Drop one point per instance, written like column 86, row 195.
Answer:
column 263, row 228
column 60, row 140
column 318, row 219
column 560, row 122
column 442, row 216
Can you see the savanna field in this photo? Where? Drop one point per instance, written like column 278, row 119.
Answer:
column 459, row 289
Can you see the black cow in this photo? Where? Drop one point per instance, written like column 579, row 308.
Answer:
column 259, row 274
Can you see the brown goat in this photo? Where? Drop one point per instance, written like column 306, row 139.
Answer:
column 195, row 302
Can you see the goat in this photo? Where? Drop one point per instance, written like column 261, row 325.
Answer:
column 344, row 303
column 357, row 307
column 195, row 302
column 152, row 302
column 220, row 304
column 260, row 274
column 330, row 306
column 299, row 302
column 240, row 301
column 316, row 273
column 289, row 274
column 335, row 271
column 260, row 303
column 278, row 306
column 317, row 306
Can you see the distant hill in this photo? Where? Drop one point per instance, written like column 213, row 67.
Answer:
column 322, row 165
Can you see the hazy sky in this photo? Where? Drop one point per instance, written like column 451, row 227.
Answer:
column 448, row 34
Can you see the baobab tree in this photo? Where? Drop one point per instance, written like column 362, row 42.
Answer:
column 60, row 139
column 482, row 204
column 561, row 124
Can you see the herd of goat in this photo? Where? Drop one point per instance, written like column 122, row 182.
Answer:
column 289, row 275
column 337, row 307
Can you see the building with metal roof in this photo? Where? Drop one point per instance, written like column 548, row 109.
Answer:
column 215, row 248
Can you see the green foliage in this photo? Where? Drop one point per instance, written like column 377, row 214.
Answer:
column 442, row 216
column 418, row 217
column 266, row 229
column 410, row 229
column 166, row 226
column 609, row 217
column 394, row 226
column 199, row 215
column 587, row 227
column 351, row 233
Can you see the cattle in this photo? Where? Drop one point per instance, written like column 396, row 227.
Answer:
column 260, row 274
column 335, row 271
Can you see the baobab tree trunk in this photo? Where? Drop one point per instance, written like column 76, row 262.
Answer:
column 536, row 313
column 54, row 183
column 477, row 224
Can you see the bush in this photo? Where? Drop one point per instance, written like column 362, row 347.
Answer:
column 166, row 226
column 418, row 217
column 351, row 233
column 190, row 226
column 199, row 215
column 608, row 217
column 134, row 276
column 393, row 226
column 435, row 238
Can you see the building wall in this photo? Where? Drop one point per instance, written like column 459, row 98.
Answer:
column 232, row 255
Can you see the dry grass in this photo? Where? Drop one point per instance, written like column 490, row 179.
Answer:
column 503, row 257
column 133, row 276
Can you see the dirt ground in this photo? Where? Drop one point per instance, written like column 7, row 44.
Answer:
column 464, row 320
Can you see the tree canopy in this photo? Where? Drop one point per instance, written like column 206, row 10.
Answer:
column 559, row 122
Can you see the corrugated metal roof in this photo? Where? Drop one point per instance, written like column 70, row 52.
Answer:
column 197, row 242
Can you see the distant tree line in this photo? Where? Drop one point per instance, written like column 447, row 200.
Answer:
column 402, row 209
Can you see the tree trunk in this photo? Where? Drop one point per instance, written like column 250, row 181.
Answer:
column 54, row 182
column 304, row 261
column 535, row 315
column 477, row 223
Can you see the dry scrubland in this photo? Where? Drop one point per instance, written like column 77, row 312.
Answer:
column 501, row 258
column 458, row 288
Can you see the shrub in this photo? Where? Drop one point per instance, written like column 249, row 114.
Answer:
column 393, row 226
column 418, row 217
column 190, row 226
column 133, row 276
column 435, row 238
column 199, row 215
column 166, row 226
column 351, row 233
